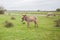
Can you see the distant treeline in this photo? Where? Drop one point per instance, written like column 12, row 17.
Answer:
column 30, row 11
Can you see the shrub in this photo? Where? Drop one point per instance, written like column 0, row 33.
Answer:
column 8, row 24
column 12, row 18
column 57, row 23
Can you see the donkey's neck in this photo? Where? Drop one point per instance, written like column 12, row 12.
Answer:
column 26, row 18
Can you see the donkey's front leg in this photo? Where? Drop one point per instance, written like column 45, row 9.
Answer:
column 27, row 24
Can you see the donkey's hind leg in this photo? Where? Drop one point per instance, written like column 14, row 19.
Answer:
column 36, row 25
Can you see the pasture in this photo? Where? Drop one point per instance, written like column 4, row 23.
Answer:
column 45, row 30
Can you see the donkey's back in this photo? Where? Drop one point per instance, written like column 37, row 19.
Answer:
column 31, row 18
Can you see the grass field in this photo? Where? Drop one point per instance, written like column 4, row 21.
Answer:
column 45, row 31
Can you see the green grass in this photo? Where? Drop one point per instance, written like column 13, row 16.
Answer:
column 45, row 31
column 17, row 12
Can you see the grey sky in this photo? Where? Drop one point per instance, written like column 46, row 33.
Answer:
column 30, row 4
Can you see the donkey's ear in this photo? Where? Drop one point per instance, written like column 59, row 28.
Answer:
column 23, row 15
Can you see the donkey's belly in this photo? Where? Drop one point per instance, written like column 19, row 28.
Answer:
column 30, row 20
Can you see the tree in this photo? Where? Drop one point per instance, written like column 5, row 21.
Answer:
column 2, row 10
column 38, row 10
column 58, row 9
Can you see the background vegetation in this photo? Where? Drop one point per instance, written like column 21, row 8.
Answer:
column 45, row 31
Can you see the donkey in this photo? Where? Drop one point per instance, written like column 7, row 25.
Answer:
column 50, row 14
column 29, row 19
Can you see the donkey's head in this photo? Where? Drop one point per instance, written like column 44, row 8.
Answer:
column 23, row 17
